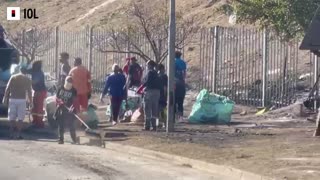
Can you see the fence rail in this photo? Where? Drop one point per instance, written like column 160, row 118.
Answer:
column 250, row 66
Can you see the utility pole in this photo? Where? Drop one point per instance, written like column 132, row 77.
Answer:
column 171, row 67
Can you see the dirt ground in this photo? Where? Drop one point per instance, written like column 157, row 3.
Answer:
column 278, row 144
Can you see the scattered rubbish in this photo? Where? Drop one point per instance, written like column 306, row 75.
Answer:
column 211, row 108
column 237, row 130
column 127, row 107
column 304, row 76
column 138, row 116
column 261, row 112
column 243, row 113
column 50, row 109
column 243, row 156
column 311, row 120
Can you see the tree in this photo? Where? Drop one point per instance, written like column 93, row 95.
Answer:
column 288, row 18
column 144, row 24
column 32, row 43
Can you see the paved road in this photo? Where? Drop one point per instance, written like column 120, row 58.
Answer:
column 45, row 159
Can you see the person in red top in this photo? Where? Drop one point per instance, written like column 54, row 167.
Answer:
column 81, row 82
column 125, row 69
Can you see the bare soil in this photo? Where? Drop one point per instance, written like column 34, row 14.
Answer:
column 276, row 144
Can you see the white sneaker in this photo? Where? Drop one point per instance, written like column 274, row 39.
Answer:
column 114, row 123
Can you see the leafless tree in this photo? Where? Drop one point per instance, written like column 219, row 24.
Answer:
column 32, row 43
column 145, row 26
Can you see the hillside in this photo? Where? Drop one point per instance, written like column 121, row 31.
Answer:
column 240, row 54
column 73, row 14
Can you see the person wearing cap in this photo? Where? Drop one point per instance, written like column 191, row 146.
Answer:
column 115, row 87
column 15, row 97
column 152, row 86
column 82, row 83
column 66, row 98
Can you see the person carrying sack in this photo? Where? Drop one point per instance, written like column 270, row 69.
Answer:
column 115, row 86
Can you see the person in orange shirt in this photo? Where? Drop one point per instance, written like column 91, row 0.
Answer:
column 82, row 83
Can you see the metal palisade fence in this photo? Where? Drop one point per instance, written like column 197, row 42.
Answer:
column 250, row 66
column 254, row 67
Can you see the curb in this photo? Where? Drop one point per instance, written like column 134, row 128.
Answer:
column 196, row 164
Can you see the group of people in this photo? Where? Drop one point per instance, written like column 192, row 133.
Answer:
column 19, row 91
column 72, row 95
column 153, row 87
column 75, row 88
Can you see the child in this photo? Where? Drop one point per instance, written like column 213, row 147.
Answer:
column 66, row 101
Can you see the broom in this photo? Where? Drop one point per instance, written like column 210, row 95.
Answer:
column 88, row 129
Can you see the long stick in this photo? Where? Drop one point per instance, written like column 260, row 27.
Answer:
column 88, row 128
column 82, row 121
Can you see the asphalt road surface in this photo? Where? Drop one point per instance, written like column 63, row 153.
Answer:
column 44, row 159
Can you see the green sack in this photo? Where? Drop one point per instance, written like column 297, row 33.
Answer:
column 93, row 119
column 211, row 108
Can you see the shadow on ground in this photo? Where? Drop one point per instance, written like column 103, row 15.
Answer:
column 44, row 135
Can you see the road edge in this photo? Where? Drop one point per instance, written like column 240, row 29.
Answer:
column 179, row 160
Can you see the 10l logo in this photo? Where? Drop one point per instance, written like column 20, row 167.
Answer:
column 13, row 13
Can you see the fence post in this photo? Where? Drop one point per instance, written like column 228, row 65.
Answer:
column 215, row 57
column 264, row 66
column 316, row 72
column 90, row 58
column 56, row 58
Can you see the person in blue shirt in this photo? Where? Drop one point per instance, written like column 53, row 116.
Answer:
column 180, row 85
column 115, row 87
column 181, row 67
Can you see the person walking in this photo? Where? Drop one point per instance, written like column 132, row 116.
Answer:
column 40, row 93
column 82, row 83
column 64, row 67
column 180, row 87
column 151, row 97
column 15, row 98
column 66, row 101
column 115, row 86
column 163, row 78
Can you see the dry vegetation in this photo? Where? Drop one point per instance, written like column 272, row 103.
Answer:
column 74, row 14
